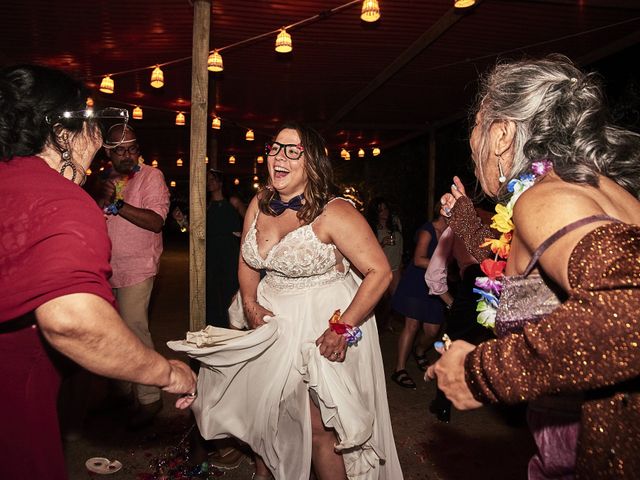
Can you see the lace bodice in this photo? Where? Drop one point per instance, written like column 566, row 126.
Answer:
column 298, row 260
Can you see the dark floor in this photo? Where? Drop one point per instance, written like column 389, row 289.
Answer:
column 481, row 444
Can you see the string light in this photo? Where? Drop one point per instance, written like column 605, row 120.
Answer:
column 154, row 164
column 206, row 160
column 361, row 153
column 236, row 181
column 214, row 62
column 173, row 183
column 89, row 172
column 249, row 136
column 344, row 154
column 283, row 42
column 179, row 162
column 260, row 159
column 137, row 113
column 464, row 3
column 89, row 102
column 140, row 160
column 107, row 85
column 255, row 178
column 256, row 185
column 157, row 78
column 180, row 120
column 215, row 123
column 232, row 161
column 375, row 151
column 370, row 10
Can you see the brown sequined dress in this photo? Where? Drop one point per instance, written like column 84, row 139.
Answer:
column 589, row 344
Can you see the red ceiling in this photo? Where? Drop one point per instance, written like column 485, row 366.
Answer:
column 360, row 84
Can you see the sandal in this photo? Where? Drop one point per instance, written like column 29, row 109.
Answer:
column 421, row 360
column 402, row 378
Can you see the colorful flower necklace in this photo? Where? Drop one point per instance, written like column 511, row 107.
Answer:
column 490, row 287
column 121, row 183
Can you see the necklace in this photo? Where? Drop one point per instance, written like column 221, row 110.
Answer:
column 490, row 287
column 121, row 182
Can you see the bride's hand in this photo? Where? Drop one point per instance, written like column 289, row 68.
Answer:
column 448, row 200
column 332, row 346
column 255, row 313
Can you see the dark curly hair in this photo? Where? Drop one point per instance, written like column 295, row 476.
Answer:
column 29, row 94
column 320, row 187
column 560, row 114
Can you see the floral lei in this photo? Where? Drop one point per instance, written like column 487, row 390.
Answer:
column 490, row 287
column 122, row 181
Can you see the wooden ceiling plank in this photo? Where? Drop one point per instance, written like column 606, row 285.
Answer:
column 450, row 18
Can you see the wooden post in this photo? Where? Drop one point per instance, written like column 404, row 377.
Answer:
column 431, row 173
column 197, row 170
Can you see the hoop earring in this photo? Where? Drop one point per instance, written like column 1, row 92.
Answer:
column 67, row 162
column 501, row 178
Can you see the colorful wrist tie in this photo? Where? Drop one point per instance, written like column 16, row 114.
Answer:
column 114, row 208
column 351, row 333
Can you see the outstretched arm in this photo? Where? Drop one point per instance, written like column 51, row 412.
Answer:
column 87, row 329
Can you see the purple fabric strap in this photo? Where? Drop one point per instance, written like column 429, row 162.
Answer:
column 561, row 233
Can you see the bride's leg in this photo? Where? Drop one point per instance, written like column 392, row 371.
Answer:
column 327, row 464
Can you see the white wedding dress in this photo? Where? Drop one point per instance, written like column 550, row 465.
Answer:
column 257, row 387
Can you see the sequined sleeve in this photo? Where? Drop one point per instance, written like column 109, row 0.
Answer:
column 592, row 340
column 466, row 224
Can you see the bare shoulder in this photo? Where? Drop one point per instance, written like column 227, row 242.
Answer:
column 338, row 217
column 252, row 208
column 235, row 201
column 551, row 205
column 338, row 210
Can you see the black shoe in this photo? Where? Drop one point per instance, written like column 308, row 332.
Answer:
column 144, row 415
column 441, row 411
column 402, row 378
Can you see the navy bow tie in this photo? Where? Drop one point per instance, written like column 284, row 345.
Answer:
column 278, row 206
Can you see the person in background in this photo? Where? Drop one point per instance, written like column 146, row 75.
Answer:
column 566, row 306
column 421, row 310
column 224, row 227
column 386, row 225
column 55, row 296
column 461, row 302
column 135, row 199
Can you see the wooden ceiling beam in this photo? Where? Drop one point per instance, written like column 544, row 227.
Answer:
column 450, row 18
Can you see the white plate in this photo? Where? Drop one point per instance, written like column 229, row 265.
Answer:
column 102, row 465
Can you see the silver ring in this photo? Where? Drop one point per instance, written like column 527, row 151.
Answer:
column 191, row 395
column 336, row 354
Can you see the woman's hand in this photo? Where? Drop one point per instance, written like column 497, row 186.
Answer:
column 449, row 371
column 448, row 200
column 182, row 381
column 255, row 313
column 332, row 346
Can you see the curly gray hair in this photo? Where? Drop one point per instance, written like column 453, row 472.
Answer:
column 560, row 114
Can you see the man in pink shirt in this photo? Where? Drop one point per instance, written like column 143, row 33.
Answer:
column 135, row 199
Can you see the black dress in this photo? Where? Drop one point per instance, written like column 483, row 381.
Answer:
column 223, row 249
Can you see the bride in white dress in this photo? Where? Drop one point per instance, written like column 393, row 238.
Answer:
column 293, row 389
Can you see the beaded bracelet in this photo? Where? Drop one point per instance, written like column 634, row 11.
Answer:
column 114, row 208
column 350, row 333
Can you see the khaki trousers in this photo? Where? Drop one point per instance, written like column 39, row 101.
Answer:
column 133, row 304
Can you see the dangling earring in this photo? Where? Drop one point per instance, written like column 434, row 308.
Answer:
column 501, row 178
column 67, row 162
